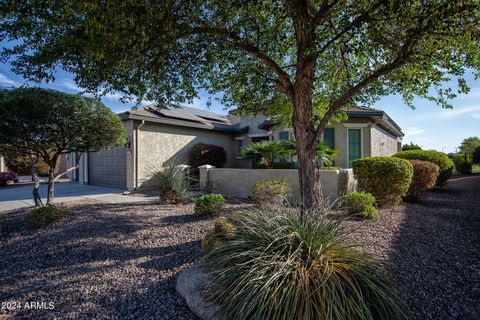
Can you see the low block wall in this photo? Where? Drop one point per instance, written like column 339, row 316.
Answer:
column 238, row 183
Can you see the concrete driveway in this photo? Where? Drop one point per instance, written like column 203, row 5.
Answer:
column 18, row 196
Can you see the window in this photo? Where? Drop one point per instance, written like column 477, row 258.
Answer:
column 283, row 135
column 354, row 145
column 239, row 147
column 329, row 137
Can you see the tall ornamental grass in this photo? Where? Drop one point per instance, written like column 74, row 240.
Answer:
column 279, row 266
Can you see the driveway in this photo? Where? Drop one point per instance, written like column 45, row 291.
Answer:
column 18, row 196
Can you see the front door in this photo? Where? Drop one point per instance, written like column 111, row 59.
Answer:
column 354, row 145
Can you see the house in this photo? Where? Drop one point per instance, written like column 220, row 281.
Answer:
column 162, row 137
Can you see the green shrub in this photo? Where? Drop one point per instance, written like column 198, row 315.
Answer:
column 424, row 178
column 440, row 159
column 211, row 154
column 268, row 191
column 476, row 155
column 281, row 266
column 330, row 168
column 369, row 212
column 209, row 204
column 386, row 178
column 357, row 201
column 43, row 216
column 411, row 146
column 462, row 166
column 222, row 231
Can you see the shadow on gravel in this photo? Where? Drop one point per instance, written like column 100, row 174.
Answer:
column 435, row 258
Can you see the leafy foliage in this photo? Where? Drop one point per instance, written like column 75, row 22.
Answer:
column 411, row 146
column 440, row 159
column 386, row 178
column 269, row 191
column 369, row 212
column 425, row 175
column 469, row 144
column 223, row 230
column 268, row 151
column 22, row 164
column 463, row 163
column 299, row 61
column 476, row 155
column 47, row 123
column 44, row 216
column 325, row 155
column 209, row 204
column 211, row 154
column 8, row 176
column 357, row 203
column 280, row 266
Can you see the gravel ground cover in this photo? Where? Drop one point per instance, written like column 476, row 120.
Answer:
column 121, row 261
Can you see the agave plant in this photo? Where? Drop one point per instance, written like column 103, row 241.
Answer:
column 281, row 266
column 172, row 181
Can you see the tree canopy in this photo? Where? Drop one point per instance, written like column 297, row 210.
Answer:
column 469, row 144
column 46, row 123
column 299, row 61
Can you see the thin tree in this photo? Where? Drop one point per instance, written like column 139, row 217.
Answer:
column 44, row 124
column 305, row 61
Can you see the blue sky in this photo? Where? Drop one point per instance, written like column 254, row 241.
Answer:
column 428, row 125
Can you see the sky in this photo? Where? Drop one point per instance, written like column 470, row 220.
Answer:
column 428, row 125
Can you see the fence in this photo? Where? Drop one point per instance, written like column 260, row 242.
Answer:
column 238, row 183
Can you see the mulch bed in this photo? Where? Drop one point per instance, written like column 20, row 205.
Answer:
column 122, row 260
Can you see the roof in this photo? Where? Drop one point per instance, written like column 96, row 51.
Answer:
column 184, row 116
column 377, row 115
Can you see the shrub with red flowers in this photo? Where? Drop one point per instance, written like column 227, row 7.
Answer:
column 211, row 154
column 7, row 176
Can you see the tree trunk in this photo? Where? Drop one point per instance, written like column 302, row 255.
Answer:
column 309, row 177
column 50, row 188
column 36, row 183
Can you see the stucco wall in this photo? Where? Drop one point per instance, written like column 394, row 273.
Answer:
column 162, row 145
column 238, row 183
column 383, row 143
column 341, row 132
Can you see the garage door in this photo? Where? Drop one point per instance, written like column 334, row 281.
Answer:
column 108, row 167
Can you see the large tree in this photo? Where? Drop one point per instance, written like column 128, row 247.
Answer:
column 305, row 61
column 44, row 124
column 469, row 144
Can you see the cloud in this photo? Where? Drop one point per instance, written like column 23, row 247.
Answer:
column 411, row 131
column 6, row 81
column 456, row 112
column 476, row 115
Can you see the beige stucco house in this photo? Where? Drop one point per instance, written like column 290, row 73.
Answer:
column 162, row 137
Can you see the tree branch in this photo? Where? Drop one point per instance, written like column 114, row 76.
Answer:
column 283, row 78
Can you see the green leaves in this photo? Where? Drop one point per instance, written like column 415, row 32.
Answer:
column 47, row 123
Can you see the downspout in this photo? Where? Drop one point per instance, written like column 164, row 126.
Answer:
column 136, row 152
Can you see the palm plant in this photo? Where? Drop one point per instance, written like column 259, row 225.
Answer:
column 325, row 155
column 281, row 266
column 267, row 151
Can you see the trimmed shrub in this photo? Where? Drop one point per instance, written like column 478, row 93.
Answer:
column 386, row 178
column 357, row 201
column 425, row 175
column 211, row 154
column 8, row 176
column 330, row 168
column 462, row 166
column 43, row 216
column 222, row 231
column 440, row 159
column 282, row 266
column 269, row 191
column 209, row 204
column 369, row 212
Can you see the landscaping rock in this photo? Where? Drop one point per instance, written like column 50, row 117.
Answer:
column 190, row 285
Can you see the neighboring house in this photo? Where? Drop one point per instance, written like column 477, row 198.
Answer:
column 166, row 137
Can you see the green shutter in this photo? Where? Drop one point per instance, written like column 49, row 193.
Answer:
column 354, row 145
